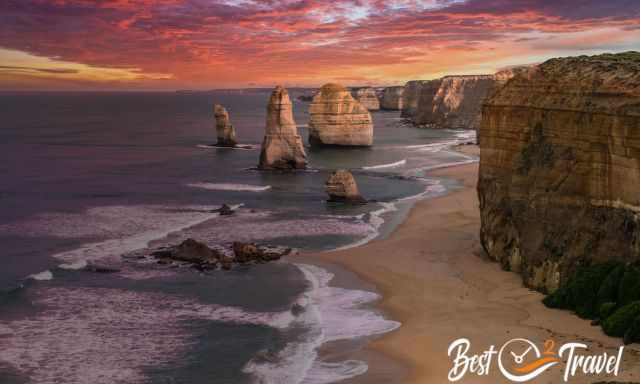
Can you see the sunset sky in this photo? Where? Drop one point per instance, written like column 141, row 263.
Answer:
column 202, row 44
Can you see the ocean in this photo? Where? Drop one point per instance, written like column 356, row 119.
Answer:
column 90, row 177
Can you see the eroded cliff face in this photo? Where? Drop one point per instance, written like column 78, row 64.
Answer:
column 391, row 98
column 411, row 96
column 559, row 183
column 456, row 103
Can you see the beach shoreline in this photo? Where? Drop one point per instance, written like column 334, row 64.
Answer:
column 436, row 281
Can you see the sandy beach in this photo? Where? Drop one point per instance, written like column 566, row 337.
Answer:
column 436, row 281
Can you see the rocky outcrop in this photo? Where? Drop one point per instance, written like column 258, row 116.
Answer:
column 453, row 102
column 282, row 147
column 336, row 118
column 559, row 182
column 392, row 98
column 224, row 129
column 342, row 188
column 201, row 257
column 368, row 98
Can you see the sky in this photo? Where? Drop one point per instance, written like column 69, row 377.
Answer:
column 205, row 44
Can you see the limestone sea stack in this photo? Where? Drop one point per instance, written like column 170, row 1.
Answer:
column 392, row 98
column 411, row 96
column 368, row 98
column 559, row 183
column 342, row 188
column 282, row 147
column 225, row 131
column 338, row 119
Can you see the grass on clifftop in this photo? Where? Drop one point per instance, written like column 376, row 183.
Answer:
column 608, row 293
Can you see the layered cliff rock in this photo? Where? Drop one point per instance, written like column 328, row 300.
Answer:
column 282, row 147
column 368, row 98
column 453, row 102
column 336, row 118
column 224, row 130
column 411, row 96
column 391, row 98
column 559, row 182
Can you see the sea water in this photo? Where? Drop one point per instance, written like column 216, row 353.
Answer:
column 90, row 177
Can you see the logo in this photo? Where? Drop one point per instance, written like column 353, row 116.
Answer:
column 520, row 360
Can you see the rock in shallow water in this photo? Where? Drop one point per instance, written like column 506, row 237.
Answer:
column 341, row 187
column 225, row 131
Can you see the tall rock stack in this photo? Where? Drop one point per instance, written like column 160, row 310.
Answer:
column 368, row 98
column 559, row 182
column 282, row 147
column 225, row 132
column 338, row 119
column 456, row 103
column 392, row 98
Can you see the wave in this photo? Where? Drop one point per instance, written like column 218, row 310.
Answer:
column 330, row 314
column 230, row 187
column 241, row 147
column 389, row 165
column 42, row 276
column 171, row 220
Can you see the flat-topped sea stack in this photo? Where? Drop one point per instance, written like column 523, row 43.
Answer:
column 368, row 98
column 282, row 147
column 342, row 188
column 338, row 119
column 453, row 102
column 392, row 98
column 559, row 183
column 224, row 130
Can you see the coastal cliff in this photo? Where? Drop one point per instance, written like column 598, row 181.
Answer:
column 391, row 98
column 456, row 103
column 368, row 98
column 559, row 183
column 336, row 118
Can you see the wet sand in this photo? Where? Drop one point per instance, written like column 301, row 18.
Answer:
column 435, row 280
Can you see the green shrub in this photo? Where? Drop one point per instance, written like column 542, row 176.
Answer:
column 621, row 320
column 633, row 333
column 608, row 291
column 629, row 289
column 606, row 309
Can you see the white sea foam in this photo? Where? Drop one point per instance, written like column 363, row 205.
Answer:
column 230, row 187
column 330, row 314
column 103, row 335
column 389, row 165
column 240, row 147
column 45, row 275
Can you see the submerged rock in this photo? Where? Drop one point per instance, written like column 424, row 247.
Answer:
column 368, row 98
column 282, row 147
column 225, row 210
column 225, row 131
column 341, row 187
column 336, row 118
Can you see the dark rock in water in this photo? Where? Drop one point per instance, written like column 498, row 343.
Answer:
column 100, row 269
column 193, row 251
column 297, row 309
column 246, row 252
column 225, row 210
column 226, row 262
